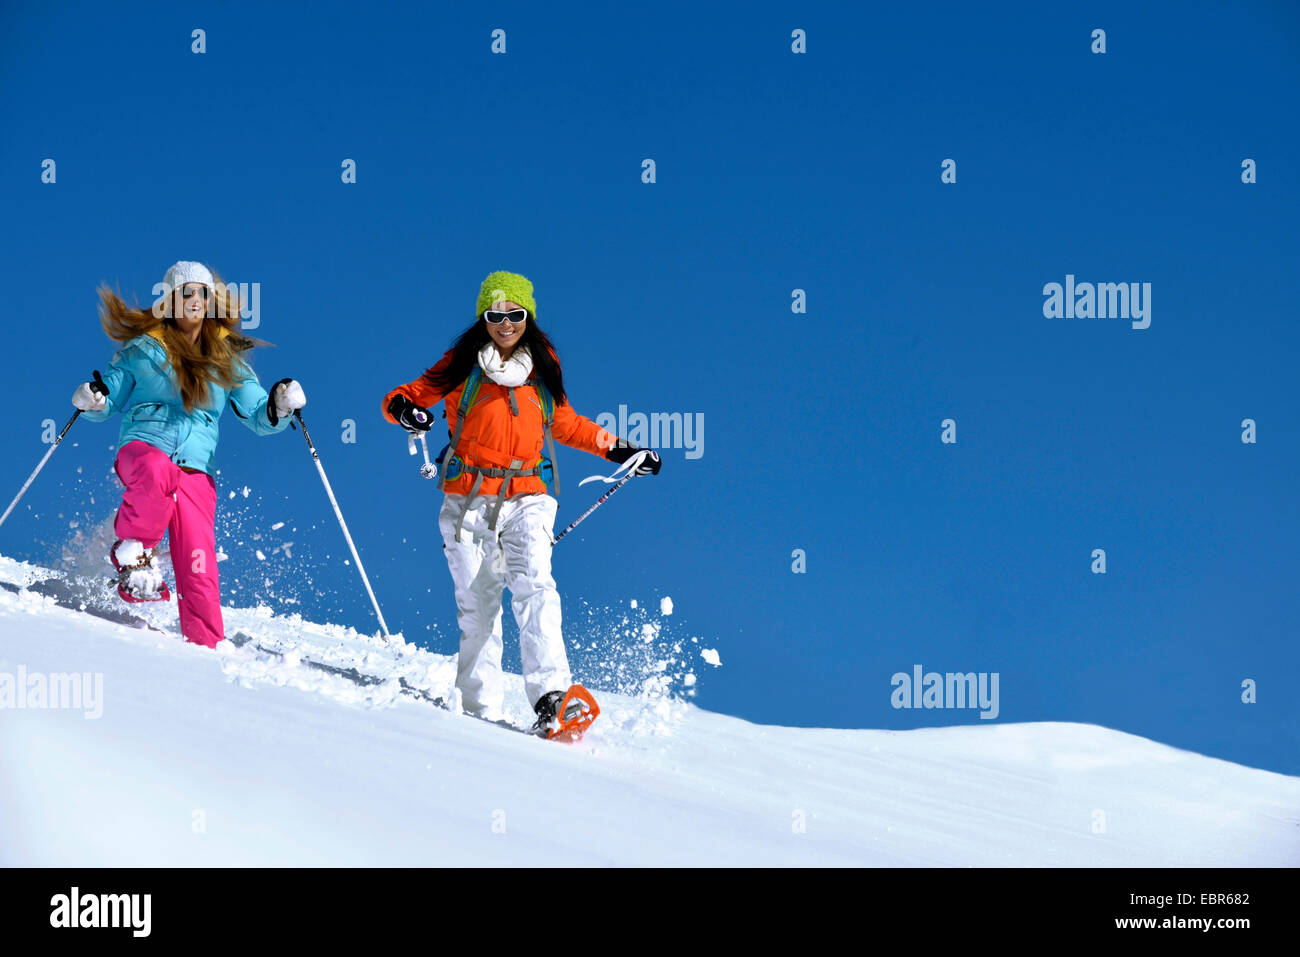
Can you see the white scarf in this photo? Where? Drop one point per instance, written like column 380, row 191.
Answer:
column 508, row 372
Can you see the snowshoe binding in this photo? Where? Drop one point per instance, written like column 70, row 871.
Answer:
column 138, row 578
column 565, row 716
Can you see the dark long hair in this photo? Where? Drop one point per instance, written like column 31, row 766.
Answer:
column 465, row 350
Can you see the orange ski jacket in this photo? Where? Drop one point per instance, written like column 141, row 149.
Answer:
column 494, row 435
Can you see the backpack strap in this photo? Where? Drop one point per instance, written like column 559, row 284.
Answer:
column 548, row 411
column 468, row 393
column 480, row 472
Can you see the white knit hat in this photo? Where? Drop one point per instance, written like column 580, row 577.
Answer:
column 179, row 274
column 183, row 272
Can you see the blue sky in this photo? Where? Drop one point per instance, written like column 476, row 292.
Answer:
column 775, row 171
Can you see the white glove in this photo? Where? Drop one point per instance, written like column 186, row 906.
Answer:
column 88, row 400
column 288, row 396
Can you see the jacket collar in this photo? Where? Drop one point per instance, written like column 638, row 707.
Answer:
column 157, row 336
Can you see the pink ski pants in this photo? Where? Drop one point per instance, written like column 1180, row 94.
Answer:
column 162, row 497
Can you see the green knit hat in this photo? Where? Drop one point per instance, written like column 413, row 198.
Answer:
column 499, row 286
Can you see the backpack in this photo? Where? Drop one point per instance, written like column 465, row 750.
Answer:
column 451, row 467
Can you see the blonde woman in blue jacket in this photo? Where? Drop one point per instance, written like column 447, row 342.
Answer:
column 180, row 365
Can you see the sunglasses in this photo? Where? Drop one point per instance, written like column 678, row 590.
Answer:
column 189, row 290
column 496, row 318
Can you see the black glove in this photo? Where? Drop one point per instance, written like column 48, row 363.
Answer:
column 285, row 398
column 622, row 452
column 414, row 418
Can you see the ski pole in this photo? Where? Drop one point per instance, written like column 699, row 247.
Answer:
column 599, row 502
column 631, row 465
column 428, row 469
column 98, row 387
column 297, row 414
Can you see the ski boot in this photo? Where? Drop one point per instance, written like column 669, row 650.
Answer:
column 138, row 579
column 565, row 716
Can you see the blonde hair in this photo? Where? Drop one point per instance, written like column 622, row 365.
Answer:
column 214, row 358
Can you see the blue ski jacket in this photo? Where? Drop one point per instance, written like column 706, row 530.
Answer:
column 142, row 386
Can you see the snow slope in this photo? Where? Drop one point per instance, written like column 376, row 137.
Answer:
column 244, row 757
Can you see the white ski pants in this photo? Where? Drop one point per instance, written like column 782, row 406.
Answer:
column 516, row 556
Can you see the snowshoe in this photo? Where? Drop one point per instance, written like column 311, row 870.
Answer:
column 565, row 716
column 138, row 579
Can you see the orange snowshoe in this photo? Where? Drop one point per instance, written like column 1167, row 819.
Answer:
column 566, row 716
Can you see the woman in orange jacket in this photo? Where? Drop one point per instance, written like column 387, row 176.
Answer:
column 498, row 518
